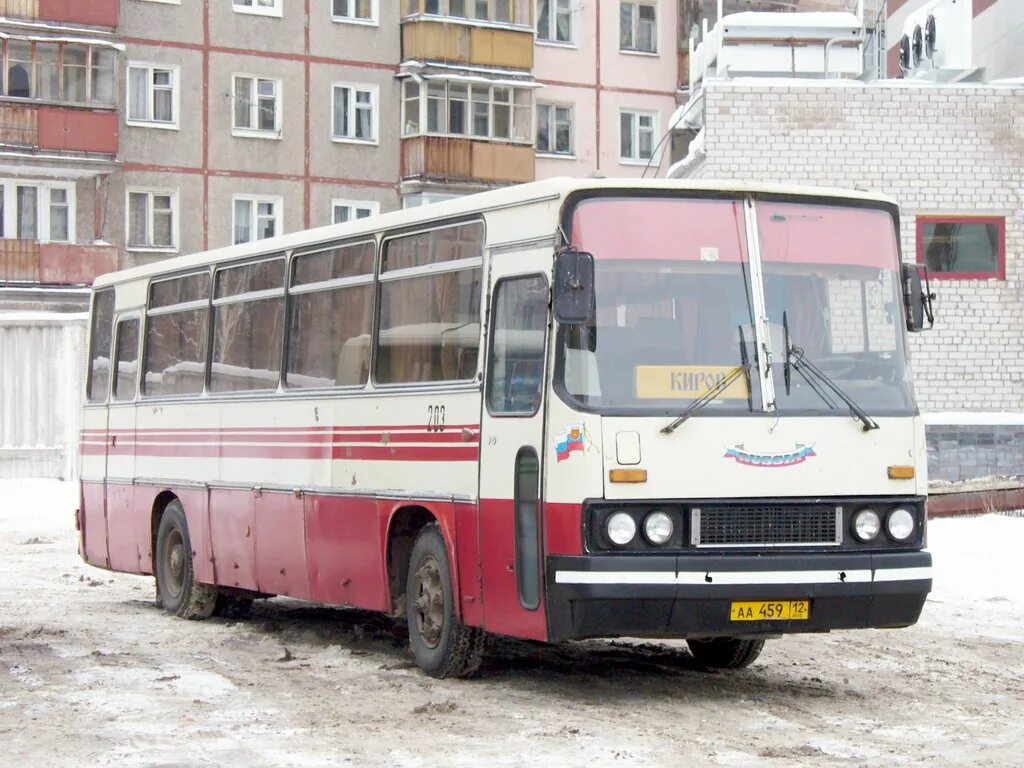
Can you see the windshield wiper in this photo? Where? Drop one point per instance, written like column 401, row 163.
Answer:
column 713, row 392
column 796, row 360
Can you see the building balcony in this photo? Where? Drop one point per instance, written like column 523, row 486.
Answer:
column 438, row 39
column 441, row 158
column 28, row 261
column 58, row 129
column 94, row 13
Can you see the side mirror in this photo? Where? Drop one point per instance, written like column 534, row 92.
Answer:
column 917, row 298
column 573, row 292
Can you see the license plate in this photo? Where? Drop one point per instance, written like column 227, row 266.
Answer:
column 770, row 610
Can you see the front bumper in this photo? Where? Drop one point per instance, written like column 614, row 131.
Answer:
column 690, row 595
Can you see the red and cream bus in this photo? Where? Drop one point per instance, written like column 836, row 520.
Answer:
column 561, row 410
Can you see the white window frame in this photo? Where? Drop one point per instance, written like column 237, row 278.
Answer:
column 175, row 219
column 373, row 206
column 373, row 21
column 530, row 128
column 551, row 153
column 553, row 23
column 636, row 51
column 636, row 159
column 254, row 200
column 374, row 92
column 255, row 10
column 175, row 70
column 258, row 133
column 162, row 2
column 9, row 190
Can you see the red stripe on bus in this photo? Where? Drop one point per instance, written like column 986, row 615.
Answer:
column 335, row 452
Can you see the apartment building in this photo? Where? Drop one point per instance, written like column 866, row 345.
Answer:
column 135, row 130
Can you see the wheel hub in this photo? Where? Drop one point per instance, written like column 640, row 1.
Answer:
column 174, row 557
column 429, row 603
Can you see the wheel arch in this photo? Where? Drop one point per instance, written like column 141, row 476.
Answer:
column 405, row 522
column 160, row 503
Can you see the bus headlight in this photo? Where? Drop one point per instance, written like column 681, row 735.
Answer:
column 900, row 524
column 658, row 528
column 866, row 524
column 621, row 528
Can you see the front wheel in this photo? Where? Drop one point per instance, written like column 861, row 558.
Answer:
column 177, row 589
column 725, row 652
column 441, row 646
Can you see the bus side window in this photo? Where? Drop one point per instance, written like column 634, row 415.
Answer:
column 126, row 359
column 99, row 345
column 515, row 375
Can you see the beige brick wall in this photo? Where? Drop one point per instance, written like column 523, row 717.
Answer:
column 937, row 150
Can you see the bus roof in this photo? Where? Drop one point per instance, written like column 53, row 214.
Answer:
column 519, row 194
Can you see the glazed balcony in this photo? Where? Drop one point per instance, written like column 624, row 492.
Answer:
column 93, row 13
column 441, row 158
column 58, row 129
column 28, row 261
column 436, row 38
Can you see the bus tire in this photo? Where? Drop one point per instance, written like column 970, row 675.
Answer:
column 178, row 591
column 725, row 652
column 441, row 646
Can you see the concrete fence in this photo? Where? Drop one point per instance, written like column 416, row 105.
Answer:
column 42, row 359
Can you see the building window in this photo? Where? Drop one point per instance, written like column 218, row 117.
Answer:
column 152, row 95
column 152, row 219
column 354, row 110
column 962, row 247
column 257, row 106
column 37, row 210
column 350, row 210
column 459, row 109
column 256, row 218
column 59, row 71
column 359, row 11
column 554, row 21
column 496, row 11
column 554, row 129
column 638, row 26
column 258, row 7
column 636, row 139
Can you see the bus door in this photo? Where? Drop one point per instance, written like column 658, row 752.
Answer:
column 127, row 533
column 94, row 438
column 512, row 446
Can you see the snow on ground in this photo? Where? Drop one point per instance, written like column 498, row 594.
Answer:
column 92, row 674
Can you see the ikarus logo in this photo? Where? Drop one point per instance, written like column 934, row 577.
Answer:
column 800, row 453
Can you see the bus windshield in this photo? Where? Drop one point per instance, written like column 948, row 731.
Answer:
column 674, row 308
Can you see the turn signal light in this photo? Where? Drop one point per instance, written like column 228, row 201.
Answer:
column 900, row 472
column 627, row 475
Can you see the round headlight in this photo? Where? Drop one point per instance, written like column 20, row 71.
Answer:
column 866, row 524
column 900, row 523
column 621, row 528
column 658, row 527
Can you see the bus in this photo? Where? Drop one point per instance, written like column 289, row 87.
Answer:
column 566, row 409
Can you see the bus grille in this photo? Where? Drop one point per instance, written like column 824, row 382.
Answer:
column 763, row 526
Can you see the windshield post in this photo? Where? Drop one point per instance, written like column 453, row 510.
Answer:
column 762, row 338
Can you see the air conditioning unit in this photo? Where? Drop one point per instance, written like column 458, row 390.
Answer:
column 937, row 41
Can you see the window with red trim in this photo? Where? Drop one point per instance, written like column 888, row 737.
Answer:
column 962, row 247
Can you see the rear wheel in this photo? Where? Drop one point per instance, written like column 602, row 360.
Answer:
column 725, row 652
column 441, row 646
column 178, row 592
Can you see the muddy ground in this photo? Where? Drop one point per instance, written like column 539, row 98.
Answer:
column 93, row 674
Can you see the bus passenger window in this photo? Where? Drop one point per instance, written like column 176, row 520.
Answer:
column 331, row 317
column 126, row 359
column 248, row 327
column 515, row 375
column 429, row 327
column 176, row 323
column 99, row 345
